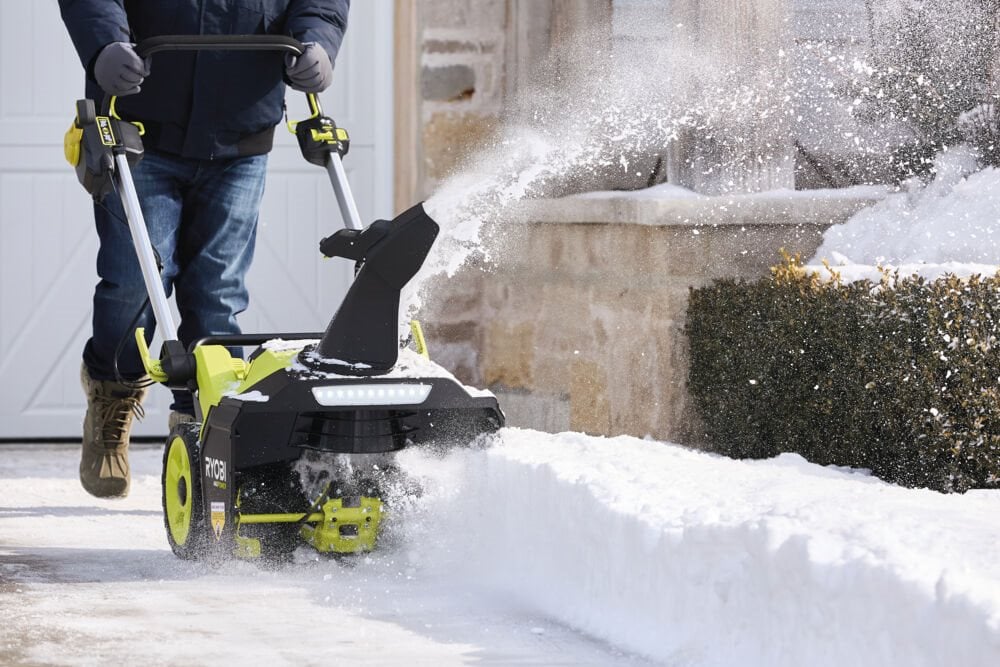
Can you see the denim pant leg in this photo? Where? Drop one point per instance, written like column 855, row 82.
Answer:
column 216, row 246
column 121, row 291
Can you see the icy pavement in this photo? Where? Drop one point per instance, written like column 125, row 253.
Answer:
column 534, row 551
column 91, row 582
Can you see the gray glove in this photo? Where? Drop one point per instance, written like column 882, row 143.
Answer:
column 312, row 72
column 119, row 70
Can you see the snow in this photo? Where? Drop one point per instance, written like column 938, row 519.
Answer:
column 588, row 120
column 251, row 397
column 662, row 191
column 949, row 225
column 332, row 361
column 539, row 549
column 698, row 560
column 282, row 345
column 409, row 364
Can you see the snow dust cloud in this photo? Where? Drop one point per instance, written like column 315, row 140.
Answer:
column 865, row 98
column 592, row 118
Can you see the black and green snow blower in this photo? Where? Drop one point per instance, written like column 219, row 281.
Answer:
column 234, row 480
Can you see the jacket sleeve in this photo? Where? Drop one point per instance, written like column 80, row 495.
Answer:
column 322, row 21
column 92, row 25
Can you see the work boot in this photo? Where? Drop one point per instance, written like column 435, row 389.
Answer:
column 111, row 406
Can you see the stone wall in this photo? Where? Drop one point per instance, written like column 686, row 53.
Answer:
column 473, row 55
column 463, row 51
column 580, row 326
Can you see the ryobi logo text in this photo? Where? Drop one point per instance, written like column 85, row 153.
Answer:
column 107, row 134
column 215, row 469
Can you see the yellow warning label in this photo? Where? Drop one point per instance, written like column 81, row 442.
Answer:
column 218, row 519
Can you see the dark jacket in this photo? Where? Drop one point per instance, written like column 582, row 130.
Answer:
column 204, row 104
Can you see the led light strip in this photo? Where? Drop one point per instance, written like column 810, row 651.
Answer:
column 372, row 394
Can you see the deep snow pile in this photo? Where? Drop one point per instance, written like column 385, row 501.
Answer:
column 699, row 560
column 949, row 225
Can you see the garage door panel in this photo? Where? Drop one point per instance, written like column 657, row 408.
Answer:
column 32, row 56
column 44, row 248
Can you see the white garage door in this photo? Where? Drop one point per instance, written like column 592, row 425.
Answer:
column 48, row 246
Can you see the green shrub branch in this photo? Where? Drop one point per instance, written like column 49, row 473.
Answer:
column 900, row 376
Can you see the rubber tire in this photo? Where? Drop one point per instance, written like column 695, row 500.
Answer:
column 187, row 495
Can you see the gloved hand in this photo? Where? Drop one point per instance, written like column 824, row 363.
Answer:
column 119, row 70
column 312, row 72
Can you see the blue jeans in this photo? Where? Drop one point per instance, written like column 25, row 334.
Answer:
column 202, row 220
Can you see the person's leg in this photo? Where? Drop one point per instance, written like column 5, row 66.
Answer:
column 215, row 249
column 118, row 297
column 121, row 292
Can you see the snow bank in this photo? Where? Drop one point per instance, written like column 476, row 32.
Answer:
column 694, row 559
column 691, row 559
column 946, row 226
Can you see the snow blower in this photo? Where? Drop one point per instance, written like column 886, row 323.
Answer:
column 233, row 481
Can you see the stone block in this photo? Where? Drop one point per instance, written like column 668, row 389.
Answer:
column 449, row 83
column 537, row 410
column 461, row 358
column 450, row 46
column 565, row 331
column 633, row 384
column 508, row 353
column 449, row 137
column 589, row 409
column 445, row 14
column 456, row 298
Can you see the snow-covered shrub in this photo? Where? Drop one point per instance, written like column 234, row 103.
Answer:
column 902, row 377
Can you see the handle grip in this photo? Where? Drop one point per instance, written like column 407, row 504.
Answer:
column 279, row 43
column 148, row 47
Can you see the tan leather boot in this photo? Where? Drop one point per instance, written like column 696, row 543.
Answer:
column 104, row 470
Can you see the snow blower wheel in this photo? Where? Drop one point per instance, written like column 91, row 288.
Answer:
column 183, row 507
column 231, row 480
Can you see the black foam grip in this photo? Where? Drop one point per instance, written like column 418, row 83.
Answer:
column 148, row 47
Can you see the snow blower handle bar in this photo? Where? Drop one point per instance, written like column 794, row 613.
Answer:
column 321, row 141
column 148, row 47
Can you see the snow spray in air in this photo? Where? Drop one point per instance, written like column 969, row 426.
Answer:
column 603, row 112
column 594, row 117
column 720, row 104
